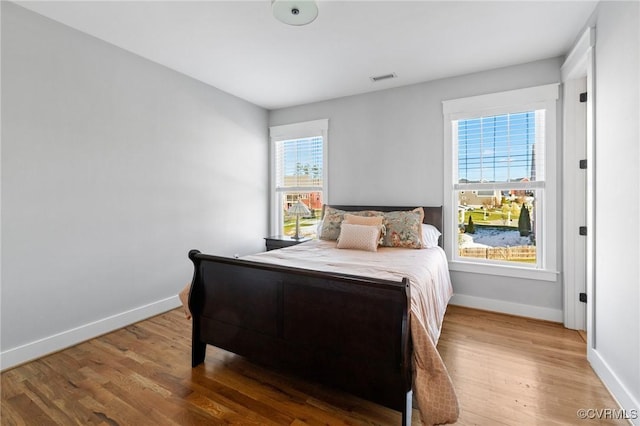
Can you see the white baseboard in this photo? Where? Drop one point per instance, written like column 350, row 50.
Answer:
column 39, row 348
column 629, row 403
column 512, row 308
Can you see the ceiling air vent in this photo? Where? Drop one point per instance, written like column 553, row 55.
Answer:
column 383, row 77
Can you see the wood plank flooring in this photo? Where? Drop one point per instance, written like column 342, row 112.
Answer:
column 506, row 370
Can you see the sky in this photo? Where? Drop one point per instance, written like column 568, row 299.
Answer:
column 497, row 148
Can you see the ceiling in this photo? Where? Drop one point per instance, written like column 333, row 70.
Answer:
column 237, row 46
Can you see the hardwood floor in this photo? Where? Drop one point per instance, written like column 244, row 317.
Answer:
column 506, row 370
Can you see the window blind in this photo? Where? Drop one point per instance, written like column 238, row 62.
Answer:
column 499, row 149
column 299, row 164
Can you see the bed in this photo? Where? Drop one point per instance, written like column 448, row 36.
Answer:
column 366, row 322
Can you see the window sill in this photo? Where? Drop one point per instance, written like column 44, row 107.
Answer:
column 504, row 271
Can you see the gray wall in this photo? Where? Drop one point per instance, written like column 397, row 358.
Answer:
column 113, row 167
column 386, row 147
column 617, row 178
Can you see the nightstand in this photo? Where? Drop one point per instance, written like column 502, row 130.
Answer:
column 280, row 241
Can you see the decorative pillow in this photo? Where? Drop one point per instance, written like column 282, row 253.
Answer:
column 332, row 219
column 366, row 220
column 430, row 236
column 404, row 228
column 330, row 228
column 363, row 220
column 359, row 237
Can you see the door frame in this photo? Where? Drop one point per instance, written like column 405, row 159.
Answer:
column 579, row 64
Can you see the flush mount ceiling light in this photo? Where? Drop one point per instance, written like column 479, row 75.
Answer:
column 295, row 12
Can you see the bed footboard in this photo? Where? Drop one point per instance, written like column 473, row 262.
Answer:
column 341, row 330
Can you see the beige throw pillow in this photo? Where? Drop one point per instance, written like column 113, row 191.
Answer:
column 363, row 220
column 358, row 237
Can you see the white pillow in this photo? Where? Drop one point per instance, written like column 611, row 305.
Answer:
column 358, row 237
column 430, row 236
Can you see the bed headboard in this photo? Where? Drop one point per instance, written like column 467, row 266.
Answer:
column 432, row 214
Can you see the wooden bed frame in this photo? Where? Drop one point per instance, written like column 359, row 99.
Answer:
column 345, row 331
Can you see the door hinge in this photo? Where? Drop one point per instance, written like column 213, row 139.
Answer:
column 583, row 164
column 583, row 97
column 582, row 230
column 582, row 297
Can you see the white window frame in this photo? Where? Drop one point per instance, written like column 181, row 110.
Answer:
column 528, row 99
column 285, row 132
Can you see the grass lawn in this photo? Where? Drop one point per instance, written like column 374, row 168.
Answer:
column 494, row 217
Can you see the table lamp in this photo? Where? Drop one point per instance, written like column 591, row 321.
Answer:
column 299, row 209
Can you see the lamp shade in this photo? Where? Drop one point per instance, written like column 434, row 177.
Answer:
column 299, row 208
column 295, row 12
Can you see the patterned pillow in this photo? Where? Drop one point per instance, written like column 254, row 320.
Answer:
column 404, row 228
column 330, row 228
column 359, row 237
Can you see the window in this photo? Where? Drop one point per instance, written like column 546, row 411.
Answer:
column 299, row 173
column 500, row 182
